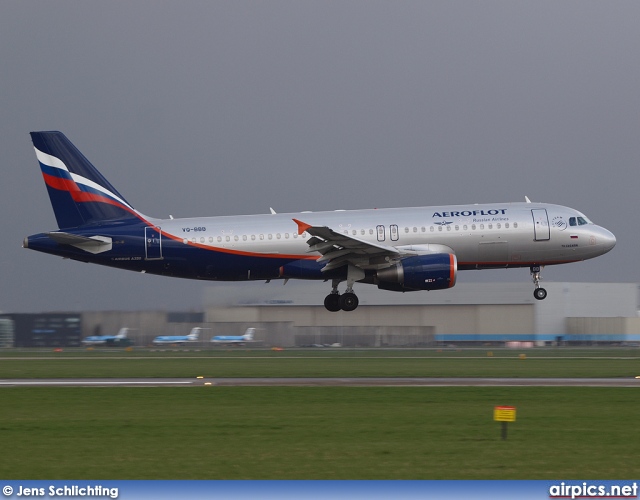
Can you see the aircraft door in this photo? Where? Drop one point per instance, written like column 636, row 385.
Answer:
column 541, row 230
column 153, row 243
column 381, row 233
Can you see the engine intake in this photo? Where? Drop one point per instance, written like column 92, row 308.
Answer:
column 422, row 272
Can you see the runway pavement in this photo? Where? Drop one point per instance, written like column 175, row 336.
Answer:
column 327, row 382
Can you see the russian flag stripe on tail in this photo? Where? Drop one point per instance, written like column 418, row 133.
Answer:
column 79, row 194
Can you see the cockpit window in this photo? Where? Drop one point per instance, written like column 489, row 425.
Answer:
column 578, row 221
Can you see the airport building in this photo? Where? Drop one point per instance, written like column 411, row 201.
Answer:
column 469, row 313
column 294, row 315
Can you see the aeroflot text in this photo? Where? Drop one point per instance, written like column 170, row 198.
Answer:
column 69, row 491
column 467, row 213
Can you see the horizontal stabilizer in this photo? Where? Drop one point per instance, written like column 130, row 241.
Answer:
column 91, row 244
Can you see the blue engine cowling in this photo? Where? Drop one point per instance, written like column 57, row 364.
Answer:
column 422, row 272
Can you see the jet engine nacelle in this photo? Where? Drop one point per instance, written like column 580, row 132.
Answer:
column 422, row 272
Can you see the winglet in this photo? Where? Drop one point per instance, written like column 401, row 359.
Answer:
column 302, row 226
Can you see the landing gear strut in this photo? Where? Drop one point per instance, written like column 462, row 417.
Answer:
column 539, row 293
column 348, row 301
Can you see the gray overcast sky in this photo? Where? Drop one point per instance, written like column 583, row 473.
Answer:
column 198, row 108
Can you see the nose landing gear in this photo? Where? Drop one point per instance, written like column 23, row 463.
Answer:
column 539, row 293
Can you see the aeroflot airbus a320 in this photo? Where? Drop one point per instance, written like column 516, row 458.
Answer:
column 399, row 249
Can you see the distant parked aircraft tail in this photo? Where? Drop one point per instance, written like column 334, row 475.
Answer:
column 194, row 334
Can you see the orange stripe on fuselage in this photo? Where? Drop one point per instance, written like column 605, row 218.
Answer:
column 239, row 252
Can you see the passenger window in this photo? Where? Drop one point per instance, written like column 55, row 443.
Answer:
column 262, row 236
column 219, row 239
column 244, row 237
column 506, row 225
column 515, row 225
column 253, row 237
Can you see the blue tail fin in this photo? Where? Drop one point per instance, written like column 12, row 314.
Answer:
column 79, row 194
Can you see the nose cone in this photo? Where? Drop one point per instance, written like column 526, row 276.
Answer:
column 605, row 239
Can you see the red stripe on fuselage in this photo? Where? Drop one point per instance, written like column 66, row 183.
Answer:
column 80, row 196
column 60, row 184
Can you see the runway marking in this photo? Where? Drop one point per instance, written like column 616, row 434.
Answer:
column 93, row 382
column 334, row 382
column 281, row 357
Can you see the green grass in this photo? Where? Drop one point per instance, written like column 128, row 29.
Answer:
column 317, row 433
column 213, row 432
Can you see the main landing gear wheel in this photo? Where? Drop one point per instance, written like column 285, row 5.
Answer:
column 332, row 302
column 348, row 301
column 540, row 293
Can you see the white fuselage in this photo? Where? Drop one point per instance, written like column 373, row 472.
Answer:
column 501, row 234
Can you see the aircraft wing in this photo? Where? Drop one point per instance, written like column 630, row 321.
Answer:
column 339, row 249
